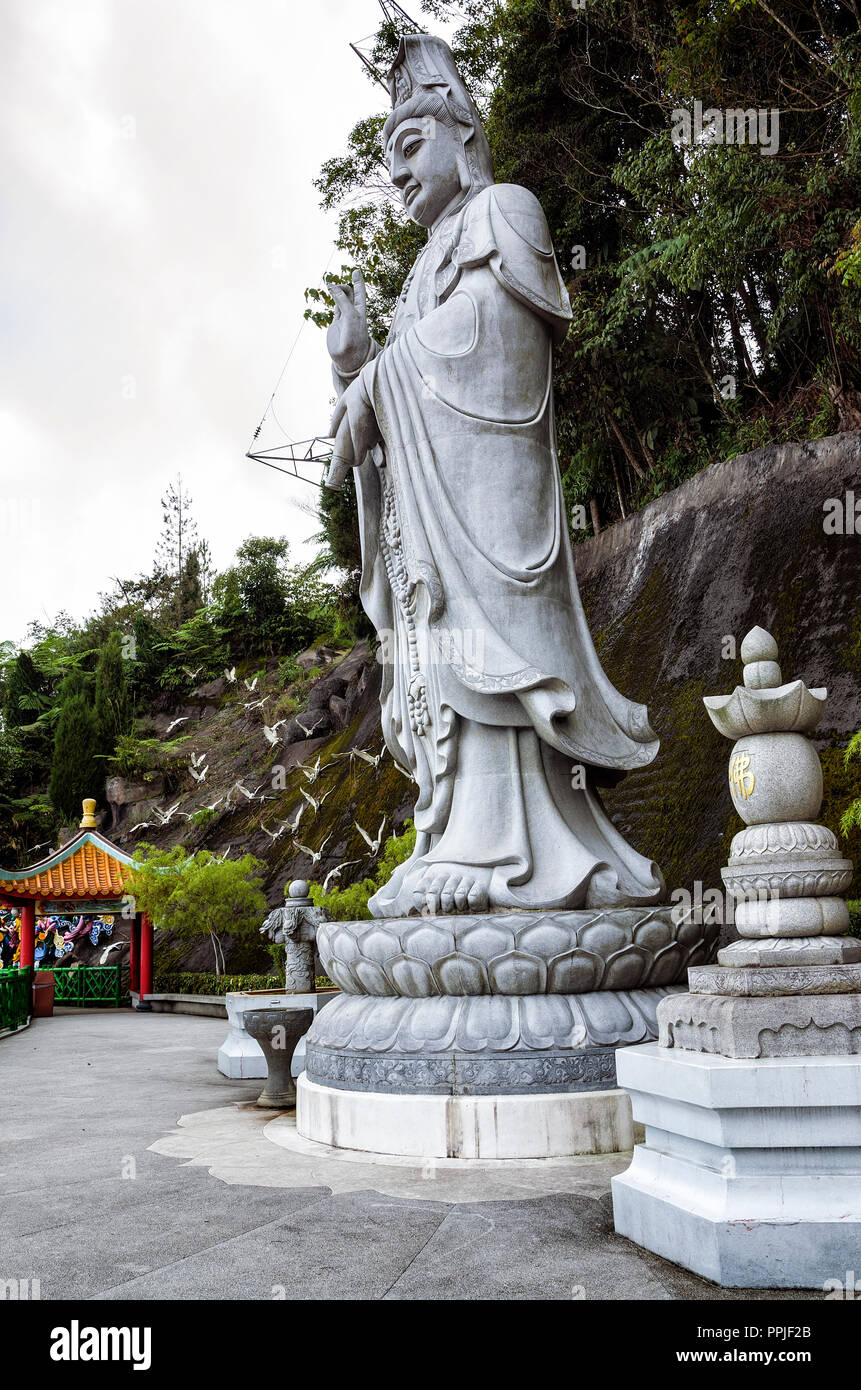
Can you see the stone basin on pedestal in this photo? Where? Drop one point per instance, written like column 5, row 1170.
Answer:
column 278, row 1031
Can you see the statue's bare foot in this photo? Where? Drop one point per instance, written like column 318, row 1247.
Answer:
column 452, row 888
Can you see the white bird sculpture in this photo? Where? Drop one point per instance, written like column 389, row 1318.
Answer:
column 293, row 825
column 373, row 845
column 246, row 792
column 314, row 804
column 315, row 855
column 338, row 869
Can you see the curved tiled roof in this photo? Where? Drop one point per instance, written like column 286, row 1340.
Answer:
column 87, row 867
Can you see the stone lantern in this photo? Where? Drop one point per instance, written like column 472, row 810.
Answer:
column 751, row 1169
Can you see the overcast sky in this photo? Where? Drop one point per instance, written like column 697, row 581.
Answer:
column 158, row 228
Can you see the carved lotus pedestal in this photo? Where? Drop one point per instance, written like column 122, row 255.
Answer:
column 750, row 1173
column 488, row 1036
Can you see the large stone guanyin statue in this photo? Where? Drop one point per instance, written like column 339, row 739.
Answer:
column 492, row 689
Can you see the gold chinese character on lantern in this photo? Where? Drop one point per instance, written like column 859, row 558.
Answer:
column 741, row 779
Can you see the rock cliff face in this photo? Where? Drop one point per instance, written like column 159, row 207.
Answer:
column 751, row 541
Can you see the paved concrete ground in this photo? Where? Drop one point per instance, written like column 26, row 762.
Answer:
column 93, row 1210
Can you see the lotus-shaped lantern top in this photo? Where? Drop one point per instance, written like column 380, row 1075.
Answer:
column 763, row 705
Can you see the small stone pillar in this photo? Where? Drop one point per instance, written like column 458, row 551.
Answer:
column 295, row 926
column 785, row 871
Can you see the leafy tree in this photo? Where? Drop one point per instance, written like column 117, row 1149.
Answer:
column 851, row 818
column 198, row 894
column 181, row 555
column 148, row 661
column 253, row 592
column 24, row 693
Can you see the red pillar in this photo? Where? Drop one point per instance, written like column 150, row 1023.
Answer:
column 145, row 963
column 135, row 955
column 27, row 930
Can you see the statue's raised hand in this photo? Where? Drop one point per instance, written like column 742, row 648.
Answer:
column 348, row 339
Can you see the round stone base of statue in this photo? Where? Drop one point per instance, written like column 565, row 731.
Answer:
column 498, row 1003
column 427, row 1127
column 479, row 1044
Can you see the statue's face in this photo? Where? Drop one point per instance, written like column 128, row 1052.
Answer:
column 426, row 162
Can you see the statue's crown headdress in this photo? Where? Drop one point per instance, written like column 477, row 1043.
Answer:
column 423, row 80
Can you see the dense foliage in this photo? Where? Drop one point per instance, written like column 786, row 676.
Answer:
column 715, row 287
column 76, row 700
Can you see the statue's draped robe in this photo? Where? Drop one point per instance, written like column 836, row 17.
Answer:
column 493, row 697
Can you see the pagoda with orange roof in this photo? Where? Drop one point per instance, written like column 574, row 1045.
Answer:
column 86, row 875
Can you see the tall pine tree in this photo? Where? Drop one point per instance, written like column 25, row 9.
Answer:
column 113, row 705
column 75, row 769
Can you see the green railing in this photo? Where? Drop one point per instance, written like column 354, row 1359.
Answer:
column 88, row 986
column 16, row 991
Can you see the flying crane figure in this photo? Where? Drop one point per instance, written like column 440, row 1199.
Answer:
column 373, row 845
column 246, row 792
column 338, row 869
column 293, row 825
column 313, row 773
column 315, row 855
column 314, row 804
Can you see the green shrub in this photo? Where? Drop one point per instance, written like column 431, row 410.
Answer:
column 350, row 904
column 205, row 982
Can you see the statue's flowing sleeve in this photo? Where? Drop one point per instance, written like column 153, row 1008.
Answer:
column 463, row 398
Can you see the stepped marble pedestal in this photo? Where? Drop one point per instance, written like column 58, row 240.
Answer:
column 750, row 1174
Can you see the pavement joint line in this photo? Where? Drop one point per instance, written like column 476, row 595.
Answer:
column 432, row 1236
